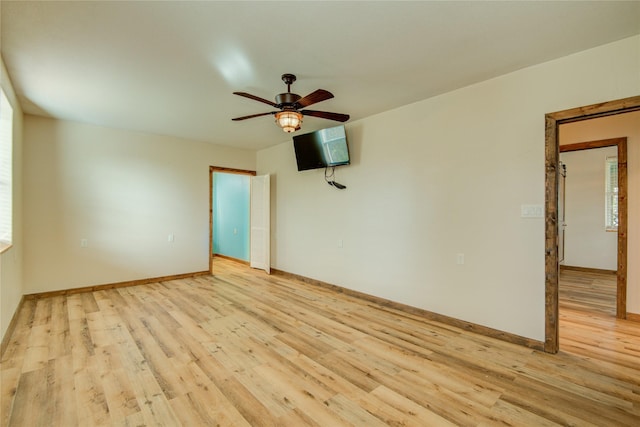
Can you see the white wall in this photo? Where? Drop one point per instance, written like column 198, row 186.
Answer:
column 11, row 261
column 612, row 127
column 587, row 243
column 444, row 176
column 124, row 192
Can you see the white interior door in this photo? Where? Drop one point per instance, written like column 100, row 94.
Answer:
column 562, row 224
column 260, row 223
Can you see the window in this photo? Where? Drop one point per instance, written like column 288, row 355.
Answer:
column 6, row 146
column 611, row 194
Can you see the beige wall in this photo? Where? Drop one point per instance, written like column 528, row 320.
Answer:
column 125, row 193
column 11, row 261
column 612, row 127
column 440, row 177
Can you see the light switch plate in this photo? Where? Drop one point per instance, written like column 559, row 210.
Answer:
column 532, row 211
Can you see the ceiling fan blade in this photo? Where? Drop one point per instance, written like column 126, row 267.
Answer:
column 255, row 98
column 252, row 116
column 326, row 115
column 317, row 96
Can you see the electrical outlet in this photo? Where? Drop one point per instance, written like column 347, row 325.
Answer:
column 340, row 243
column 170, row 238
column 84, row 243
column 459, row 259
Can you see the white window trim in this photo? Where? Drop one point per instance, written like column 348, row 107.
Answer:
column 6, row 172
column 611, row 194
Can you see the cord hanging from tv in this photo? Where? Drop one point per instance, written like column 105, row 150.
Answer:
column 329, row 177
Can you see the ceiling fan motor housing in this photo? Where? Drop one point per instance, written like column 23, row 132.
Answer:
column 287, row 99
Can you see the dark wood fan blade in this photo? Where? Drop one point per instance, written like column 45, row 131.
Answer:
column 255, row 98
column 313, row 97
column 326, row 115
column 253, row 115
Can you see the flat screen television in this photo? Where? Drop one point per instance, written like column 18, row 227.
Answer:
column 322, row 148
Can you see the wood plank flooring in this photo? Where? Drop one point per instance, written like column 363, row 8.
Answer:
column 241, row 348
column 593, row 292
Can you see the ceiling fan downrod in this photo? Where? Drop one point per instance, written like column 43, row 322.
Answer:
column 288, row 79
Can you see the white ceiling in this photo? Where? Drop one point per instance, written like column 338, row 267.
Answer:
column 171, row 67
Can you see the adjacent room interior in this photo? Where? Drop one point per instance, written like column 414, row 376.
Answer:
column 460, row 249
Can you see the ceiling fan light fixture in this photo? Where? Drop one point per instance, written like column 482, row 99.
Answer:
column 289, row 121
column 289, row 118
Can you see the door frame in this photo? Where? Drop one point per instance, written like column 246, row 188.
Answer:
column 212, row 170
column 623, row 215
column 552, row 159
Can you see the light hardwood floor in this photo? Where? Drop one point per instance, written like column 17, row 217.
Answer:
column 244, row 349
column 587, row 291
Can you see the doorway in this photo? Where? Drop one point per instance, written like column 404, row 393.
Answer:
column 552, row 173
column 229, row 204
column 594, row 245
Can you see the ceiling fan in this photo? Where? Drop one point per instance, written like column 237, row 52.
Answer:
column 291, row 105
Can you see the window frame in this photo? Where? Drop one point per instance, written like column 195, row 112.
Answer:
column 611, row 194
column 6, row 171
